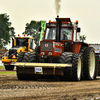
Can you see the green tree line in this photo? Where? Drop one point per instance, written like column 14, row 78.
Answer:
column 32, row 29
column 6, row 31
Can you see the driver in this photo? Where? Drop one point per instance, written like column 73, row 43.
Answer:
column 64, row 35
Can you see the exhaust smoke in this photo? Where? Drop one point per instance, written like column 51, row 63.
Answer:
column 57, row 6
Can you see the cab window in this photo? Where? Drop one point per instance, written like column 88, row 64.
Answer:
column 66, row 34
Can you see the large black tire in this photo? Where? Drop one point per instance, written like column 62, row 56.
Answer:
column 82, row 50
column 26, row 57
column 19, row 76
column 89, row 63
column 81, row 53
column 29, row 57
column 66, row 57
column 33, row 57
column 20, row 59
column 9, row 67
column 20, row 56
column 76, row 67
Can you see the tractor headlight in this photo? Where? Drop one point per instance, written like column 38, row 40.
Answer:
column 42, row 53
column 49, row 53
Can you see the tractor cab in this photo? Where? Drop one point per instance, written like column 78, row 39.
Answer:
column 62, row 29
column 66, row 34
column 26, row 42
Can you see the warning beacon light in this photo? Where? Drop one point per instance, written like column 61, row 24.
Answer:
column 49, row 21
column 18, row 35
column 76, row 21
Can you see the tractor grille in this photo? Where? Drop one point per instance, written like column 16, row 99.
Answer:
column 46, row 46
column 11, row 53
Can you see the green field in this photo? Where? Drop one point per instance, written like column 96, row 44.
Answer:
column 1, row 66
column 7, row 72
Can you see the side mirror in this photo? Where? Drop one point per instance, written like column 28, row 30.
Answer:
column 78, row 29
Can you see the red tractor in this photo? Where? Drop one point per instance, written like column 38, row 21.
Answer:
column 60, row 54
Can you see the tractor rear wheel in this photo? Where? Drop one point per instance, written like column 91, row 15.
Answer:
column 66, row 57
column 89, row 63
column 81, row 53
column 9, row 67
column 76, row 67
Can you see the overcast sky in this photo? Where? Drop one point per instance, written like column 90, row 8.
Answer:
column 86, row 11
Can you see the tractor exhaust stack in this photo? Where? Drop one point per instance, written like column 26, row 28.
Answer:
column 58, row 29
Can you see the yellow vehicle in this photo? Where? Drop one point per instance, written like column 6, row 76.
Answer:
column 20, row 45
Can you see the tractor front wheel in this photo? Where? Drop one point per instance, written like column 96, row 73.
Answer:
column 66, row 57
column 9, row 67
column 23, row 57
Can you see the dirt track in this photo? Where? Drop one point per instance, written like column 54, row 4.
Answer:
column 13, row 89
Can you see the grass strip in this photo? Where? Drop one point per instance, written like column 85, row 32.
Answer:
column 7, row 72
column 2, row 67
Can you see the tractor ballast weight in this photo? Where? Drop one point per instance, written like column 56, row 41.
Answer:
column 60, row 54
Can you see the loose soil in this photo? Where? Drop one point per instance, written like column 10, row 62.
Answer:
column 48, row 89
